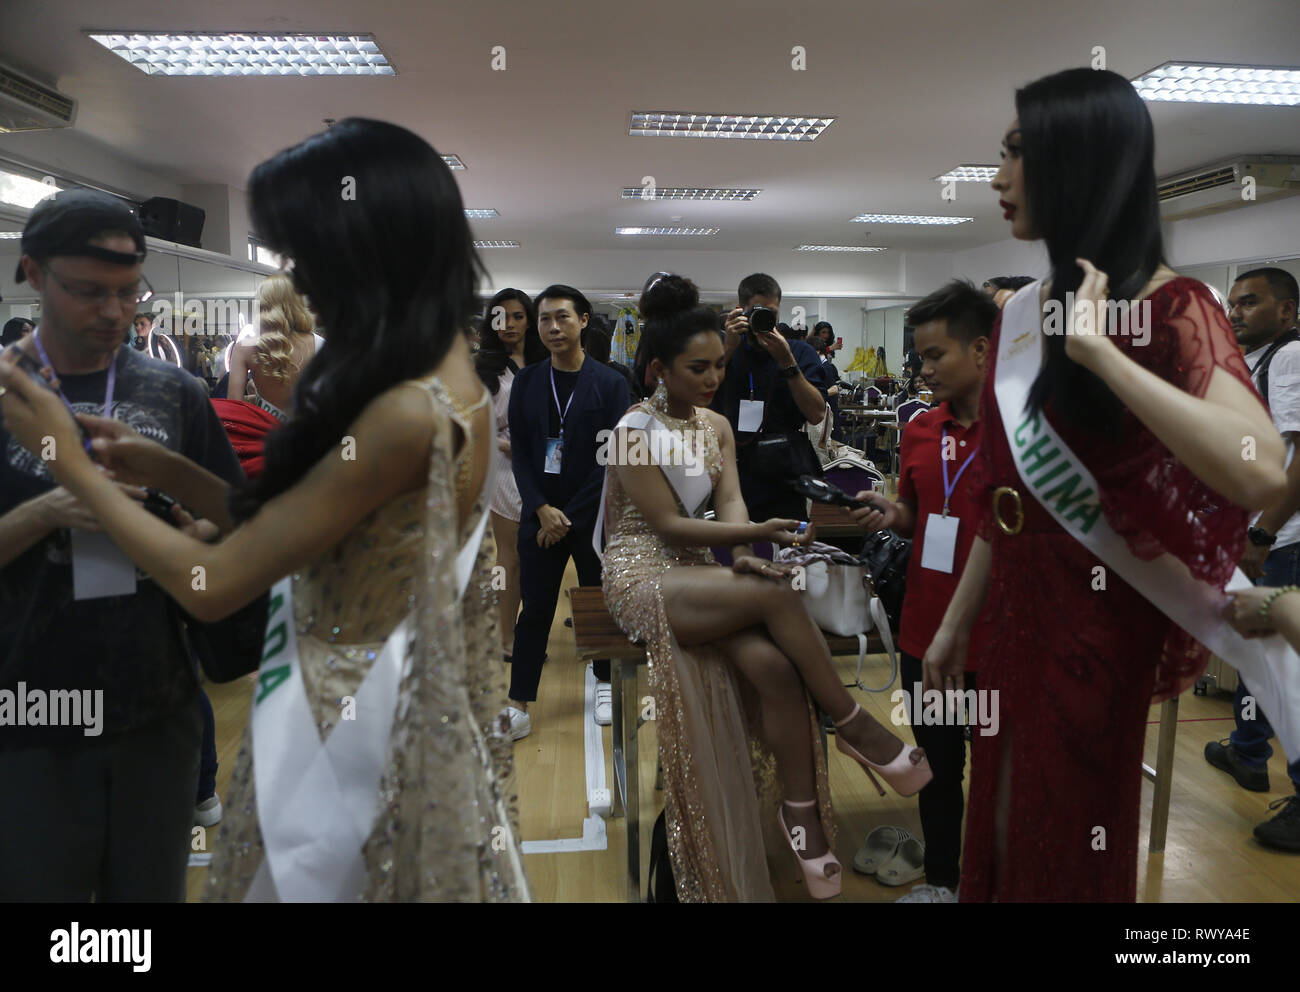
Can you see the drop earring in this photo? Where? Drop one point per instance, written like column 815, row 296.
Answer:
column 659, row 400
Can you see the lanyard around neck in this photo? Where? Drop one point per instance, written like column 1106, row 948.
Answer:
column 949, row 487
column 565, row 412
column 108, row 388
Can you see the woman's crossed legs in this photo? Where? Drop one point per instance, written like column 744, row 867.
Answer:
column 763, row 628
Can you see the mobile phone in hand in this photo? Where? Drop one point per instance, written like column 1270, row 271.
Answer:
column 31, row 366
column 160, row 505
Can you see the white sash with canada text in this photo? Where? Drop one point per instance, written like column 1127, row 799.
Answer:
column 316, row 802
column 1057, row 478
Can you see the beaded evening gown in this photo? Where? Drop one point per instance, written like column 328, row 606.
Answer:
column 434, row 836
column 721, row 790
column 1077, row 666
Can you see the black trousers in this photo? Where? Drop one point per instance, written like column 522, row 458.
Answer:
column 105, row 817
column 941, row 800
column 541, row 573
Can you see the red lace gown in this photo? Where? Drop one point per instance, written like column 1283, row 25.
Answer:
column 1077, row 668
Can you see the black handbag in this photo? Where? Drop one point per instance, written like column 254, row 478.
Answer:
column 885, row 556
column 782, row 458
column 230, row 647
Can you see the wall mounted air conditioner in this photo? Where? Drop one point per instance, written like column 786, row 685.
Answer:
column 26, row 105
column 1221, row 187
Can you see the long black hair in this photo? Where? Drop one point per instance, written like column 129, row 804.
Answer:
column 492, row 355
column 598, row 338
column 673, row 315
column 373, row 222
column 1090, row 181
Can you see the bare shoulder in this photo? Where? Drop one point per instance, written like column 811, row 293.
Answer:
column 402, row 417
column 720, row 424
column 458, row 376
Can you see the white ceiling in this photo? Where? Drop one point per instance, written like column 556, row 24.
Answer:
column 917, row 88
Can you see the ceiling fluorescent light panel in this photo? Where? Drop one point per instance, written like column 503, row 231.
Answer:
column 907, row 219
column 1190, row 82
column 651, row 124
column 247, row 54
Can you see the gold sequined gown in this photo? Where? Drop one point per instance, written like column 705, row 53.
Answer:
column 721, row 790
column 434, row 837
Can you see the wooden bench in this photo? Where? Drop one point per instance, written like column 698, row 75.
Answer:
column 834, row 521
column 595, row 635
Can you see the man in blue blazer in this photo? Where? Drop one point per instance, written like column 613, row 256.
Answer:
column 557, row 410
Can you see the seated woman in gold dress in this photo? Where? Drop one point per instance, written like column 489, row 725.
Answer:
column 731, row 747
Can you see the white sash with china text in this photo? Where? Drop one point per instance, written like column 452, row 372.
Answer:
column 1067, row 489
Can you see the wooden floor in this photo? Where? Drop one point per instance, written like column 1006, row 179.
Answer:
column 1210, row 855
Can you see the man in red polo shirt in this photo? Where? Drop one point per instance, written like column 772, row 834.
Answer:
column 937, row 492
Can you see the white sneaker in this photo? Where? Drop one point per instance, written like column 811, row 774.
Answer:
column 929, row 893
column 604, row 704
column 521, row 724
column 208, row 812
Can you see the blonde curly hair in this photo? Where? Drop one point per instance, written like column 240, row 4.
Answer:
column 282, row 318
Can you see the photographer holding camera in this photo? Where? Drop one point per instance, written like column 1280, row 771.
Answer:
column 773, row 387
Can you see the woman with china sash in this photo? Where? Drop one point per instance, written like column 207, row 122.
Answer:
column 703, row 625
column 382, row 764
column 1162, row 414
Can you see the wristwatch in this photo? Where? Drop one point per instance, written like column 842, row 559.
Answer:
column 1261, row 538
column 790, row 373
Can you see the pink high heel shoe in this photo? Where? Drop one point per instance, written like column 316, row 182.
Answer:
column 814, row 869
column 906, row 778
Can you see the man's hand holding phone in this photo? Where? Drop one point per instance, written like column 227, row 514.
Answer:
column 879, row 513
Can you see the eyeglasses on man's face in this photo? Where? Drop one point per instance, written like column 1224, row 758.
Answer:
column 97, row 296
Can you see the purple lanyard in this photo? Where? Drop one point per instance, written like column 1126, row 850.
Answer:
column 947, row 487
column 565, row 412
column 108, row 390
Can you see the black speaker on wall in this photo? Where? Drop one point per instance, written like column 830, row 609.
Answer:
column 172, row 220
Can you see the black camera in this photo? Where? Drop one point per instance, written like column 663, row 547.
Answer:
column 762, row 320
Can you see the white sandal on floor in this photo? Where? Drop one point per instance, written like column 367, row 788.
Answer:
column 907, row 865
column 878, row 849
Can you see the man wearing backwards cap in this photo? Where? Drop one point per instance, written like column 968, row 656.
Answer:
column 103, row 808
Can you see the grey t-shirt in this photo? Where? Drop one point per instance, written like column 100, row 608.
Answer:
column 128, row 646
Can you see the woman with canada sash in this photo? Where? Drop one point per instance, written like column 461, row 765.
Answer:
column 377, row 766
column 1132, row 446
column 703, row 625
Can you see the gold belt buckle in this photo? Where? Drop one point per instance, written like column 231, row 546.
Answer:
column 997, row 510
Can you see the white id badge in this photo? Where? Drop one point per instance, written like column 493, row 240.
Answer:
column 751, row 416
column 553, row 456
column 940, row 542
column 99, row 568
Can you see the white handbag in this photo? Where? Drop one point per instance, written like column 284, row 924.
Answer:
column 838, row 597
